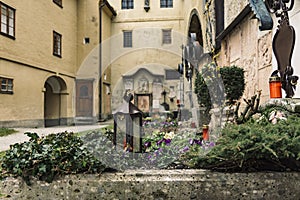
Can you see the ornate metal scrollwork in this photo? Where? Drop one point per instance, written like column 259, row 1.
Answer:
column 283, row 44
column 279, row 6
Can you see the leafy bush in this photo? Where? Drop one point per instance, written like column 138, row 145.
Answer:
column 49, row 156
column 234, row 82
column 255, row 146
column 213, row 82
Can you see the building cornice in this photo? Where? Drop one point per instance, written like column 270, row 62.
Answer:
column 147, row 20
column 38, row 68
column 108, row 8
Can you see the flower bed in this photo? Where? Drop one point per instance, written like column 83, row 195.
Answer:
column 271, row 141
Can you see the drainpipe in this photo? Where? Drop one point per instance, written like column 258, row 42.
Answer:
column 101, row 5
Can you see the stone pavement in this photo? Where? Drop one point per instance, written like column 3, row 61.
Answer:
column 19, row 137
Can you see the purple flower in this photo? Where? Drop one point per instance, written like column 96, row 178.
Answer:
column 199, row 142
column 147, row 144
column 159, row 141
column 191, row 141
column 185, row 149
column 159, row 150
column 212, row 144
column 168, row 141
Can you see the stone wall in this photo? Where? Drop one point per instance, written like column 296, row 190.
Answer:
column 159, row 184
column 251, row 49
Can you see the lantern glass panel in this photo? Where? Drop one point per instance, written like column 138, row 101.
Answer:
column 121, row 130
column 136, row 134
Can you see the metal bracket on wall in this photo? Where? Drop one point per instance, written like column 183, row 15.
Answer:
column 262, row 14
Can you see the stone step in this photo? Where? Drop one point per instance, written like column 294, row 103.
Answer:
column 84, row 120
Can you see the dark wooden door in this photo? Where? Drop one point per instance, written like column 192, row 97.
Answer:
column 84, row 98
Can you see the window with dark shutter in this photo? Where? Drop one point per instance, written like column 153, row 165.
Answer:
column 166, row 3
column 57, row 44
column 127, row 38
column 7, row 14
column 166, row 36
column 6, row 85
column 127, row 4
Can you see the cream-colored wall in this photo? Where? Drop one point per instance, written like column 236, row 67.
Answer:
column 29, row 59
column 147, row 36
column 27, row 101
column 35, row 23
column 33, row 46
column 88, row 54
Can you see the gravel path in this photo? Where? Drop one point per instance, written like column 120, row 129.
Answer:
column 19, row 137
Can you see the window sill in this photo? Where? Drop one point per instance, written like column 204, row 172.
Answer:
column 56, row 55
column 9, row 36
column 3, row 92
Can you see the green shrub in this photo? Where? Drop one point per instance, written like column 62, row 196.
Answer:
column 49, row 156
column 255, row 146
column 6, row 131
column 212, row 83
column 234, row 82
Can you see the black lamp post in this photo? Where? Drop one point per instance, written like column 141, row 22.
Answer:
column 128, row 126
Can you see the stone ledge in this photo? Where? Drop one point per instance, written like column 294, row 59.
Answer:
column 160, row 184
column 292, row 105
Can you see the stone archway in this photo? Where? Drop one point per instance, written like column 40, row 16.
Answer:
column 195, row 27
column 54, row 102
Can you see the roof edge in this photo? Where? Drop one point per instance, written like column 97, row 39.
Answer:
column 235, row 22
column 106, row 4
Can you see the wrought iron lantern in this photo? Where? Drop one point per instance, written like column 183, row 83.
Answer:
column 147, row 5
column 283, row 45
column 128, row 126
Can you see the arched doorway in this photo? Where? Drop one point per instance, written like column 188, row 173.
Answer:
column 54, row 102
column 195, row 27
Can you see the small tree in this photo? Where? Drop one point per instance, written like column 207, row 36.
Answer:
column 213, row 82
column 234, row 82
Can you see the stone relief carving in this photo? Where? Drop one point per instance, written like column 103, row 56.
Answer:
column 128, row 84
column 143, row 85
column 251, row 78
column 265, row 50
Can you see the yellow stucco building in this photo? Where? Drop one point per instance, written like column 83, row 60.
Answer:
column 42, row 47
column 50, row 51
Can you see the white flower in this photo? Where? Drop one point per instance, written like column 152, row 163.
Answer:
column 276, row 115
column 169, row 135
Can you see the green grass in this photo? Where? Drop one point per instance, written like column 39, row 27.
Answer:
column 6, row 131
